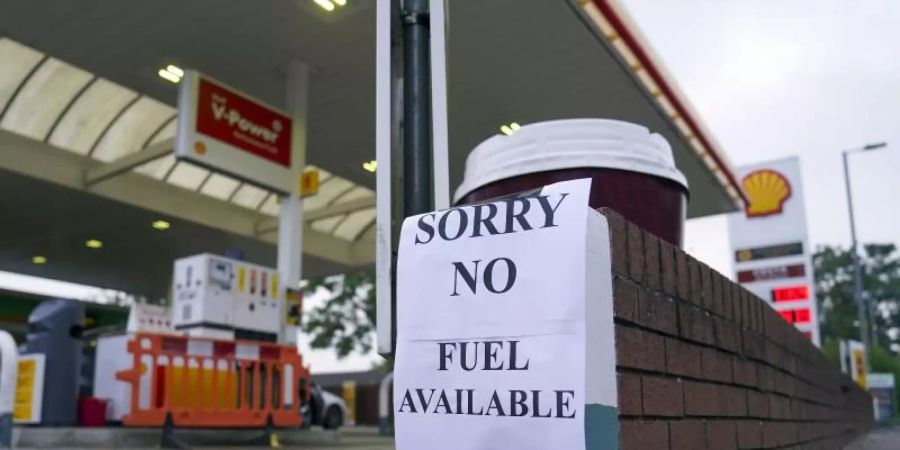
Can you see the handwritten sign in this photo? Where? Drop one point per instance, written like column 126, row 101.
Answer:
column 491, row 324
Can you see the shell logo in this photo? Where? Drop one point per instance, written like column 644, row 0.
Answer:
column 767, row 190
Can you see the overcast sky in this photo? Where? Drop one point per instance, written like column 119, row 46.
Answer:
column 779, row 78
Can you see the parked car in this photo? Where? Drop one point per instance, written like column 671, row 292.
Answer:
column 325, row 409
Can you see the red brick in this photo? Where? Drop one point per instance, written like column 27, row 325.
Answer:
column 744, row 298
column 638, row 349
column 635, row 252
column 716, row 365
column 766, row 377
column 701, row 399
column 726, row 335
column 618, row 240
column 667, row 268
column 757, row 405
column 652, row 272
column 695, row 324
column 683, row 358
column 706, row 279
column 779, row 407
column 749, row 434
column 744, row 372
column 753, row 345
column 727, row 299
column 658, row 312
column 682, row 275
column 721, row 435
column 717, row 304
column 732, row 401
column 695, row 269
column 640, row 435
column 625, row 299
column 687, row 435
column 629, row 394
column 662, row 396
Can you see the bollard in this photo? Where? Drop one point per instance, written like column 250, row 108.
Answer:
column 9, row 371
column 384, row 428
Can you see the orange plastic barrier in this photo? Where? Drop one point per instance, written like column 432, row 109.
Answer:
column 213, row 383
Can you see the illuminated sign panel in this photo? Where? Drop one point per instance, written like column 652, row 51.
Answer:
column 772, row 251
column 771, row 273
column 770, row 244
column 227, row 131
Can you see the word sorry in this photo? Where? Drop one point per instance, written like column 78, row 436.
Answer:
column 455, row 222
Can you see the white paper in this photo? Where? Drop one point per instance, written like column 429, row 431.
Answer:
column 541, row 315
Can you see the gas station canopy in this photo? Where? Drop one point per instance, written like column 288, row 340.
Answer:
column 86, row 124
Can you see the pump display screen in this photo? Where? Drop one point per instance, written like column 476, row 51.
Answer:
column 790, row 293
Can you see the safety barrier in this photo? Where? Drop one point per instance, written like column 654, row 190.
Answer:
column 205, row 382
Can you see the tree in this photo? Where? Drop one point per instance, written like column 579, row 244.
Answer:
column 346, row 320
column 881, row 286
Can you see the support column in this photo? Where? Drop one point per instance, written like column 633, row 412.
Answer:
column 290, row 219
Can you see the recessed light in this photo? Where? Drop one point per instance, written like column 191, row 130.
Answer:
column 39, row 259
column 370, row 166
column 168, row 76
column 325, row 4
column 161, row 225
column 510, row 129
column 175, row 70
column 93, row 243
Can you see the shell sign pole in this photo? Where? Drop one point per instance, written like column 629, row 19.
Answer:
column 227, row 131
column 769, row 242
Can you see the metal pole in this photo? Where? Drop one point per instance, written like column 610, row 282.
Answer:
column 857, row 270
column 416, row 109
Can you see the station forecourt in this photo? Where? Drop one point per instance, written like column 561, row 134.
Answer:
column 87, row 123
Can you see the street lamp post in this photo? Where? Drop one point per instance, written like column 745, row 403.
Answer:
column 857, row 269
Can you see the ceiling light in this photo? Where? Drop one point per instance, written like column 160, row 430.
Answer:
column 39, row 259
column 340, row 2
column 510, row 129
column 168, row 76
column 161, row 225
column 93, row 243
column 325, row 4
column 175, row 70
column 370, row 166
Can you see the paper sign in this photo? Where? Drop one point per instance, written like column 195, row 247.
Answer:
column 491, row 324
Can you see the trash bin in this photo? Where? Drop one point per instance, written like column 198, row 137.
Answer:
column 632, row 170
column 54, row 329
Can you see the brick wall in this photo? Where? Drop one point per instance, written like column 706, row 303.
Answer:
column 704, row 364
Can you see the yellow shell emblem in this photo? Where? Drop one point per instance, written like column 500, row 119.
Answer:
column 767, row 190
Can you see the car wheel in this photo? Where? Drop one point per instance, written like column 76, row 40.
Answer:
column 334, row 418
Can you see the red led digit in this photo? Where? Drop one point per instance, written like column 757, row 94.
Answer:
column 790, row 293
column 788, row 315
column 801, row 315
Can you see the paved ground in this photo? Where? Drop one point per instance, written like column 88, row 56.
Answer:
column 880, row 439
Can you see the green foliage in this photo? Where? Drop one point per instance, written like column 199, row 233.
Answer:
column 346, row 321
column 881, row 286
